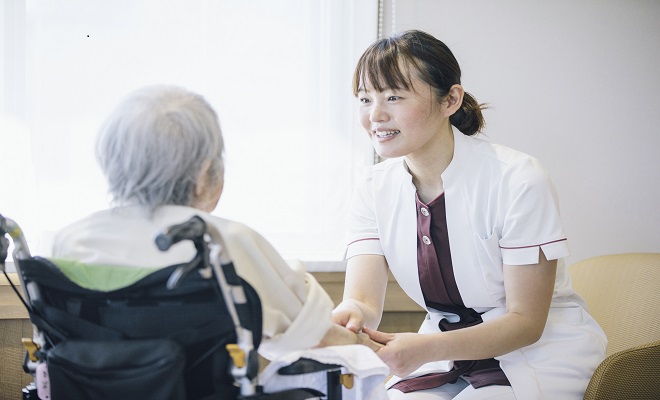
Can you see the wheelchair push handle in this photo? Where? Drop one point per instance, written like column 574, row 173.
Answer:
column 4, row 242
column 11, row 228
column 212, row 251
column 193, row 229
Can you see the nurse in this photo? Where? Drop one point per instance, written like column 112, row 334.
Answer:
column 471, row 231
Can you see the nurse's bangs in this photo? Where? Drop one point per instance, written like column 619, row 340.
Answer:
column 385, row 66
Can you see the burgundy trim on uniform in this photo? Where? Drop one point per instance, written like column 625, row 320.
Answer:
column 534, row 245
column 359, row 240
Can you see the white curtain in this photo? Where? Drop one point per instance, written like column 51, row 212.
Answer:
column 277, row 72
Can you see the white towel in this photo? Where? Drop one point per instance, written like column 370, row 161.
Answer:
column 369, row 372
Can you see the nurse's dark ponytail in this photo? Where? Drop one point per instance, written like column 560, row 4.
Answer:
column 469, row 119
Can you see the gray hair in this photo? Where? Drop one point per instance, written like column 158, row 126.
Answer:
column 152, row 147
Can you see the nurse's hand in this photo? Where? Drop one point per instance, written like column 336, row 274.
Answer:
column 365, row 340
column 402, row 352
column 348, row 314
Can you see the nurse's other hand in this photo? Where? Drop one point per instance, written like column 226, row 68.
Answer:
column 349, row 315
column 402, row 352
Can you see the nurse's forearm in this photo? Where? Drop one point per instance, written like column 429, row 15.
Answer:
column 529, row 291
column 365, row 286
column 405, row 352
column 486, row 340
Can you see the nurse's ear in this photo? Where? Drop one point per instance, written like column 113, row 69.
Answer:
column 454, row 99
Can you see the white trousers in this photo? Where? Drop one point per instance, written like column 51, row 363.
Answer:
column 461, row 390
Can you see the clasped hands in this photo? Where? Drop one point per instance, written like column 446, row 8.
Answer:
column 402, row 352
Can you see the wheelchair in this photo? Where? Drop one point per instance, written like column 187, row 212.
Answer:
column 187, row 331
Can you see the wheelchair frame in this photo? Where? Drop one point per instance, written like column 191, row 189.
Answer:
column 212, row 260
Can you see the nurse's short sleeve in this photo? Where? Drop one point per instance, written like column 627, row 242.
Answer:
column 531, row 218
column 363, row 236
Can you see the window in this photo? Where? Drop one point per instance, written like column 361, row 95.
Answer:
column 277, row 73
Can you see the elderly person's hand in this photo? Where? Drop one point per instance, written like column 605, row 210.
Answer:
column 365, row 340
column 339, row 335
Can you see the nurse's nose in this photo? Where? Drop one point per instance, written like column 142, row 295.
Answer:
column 378, row 113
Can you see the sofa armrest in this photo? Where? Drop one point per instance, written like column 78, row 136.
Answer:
column 633, row 373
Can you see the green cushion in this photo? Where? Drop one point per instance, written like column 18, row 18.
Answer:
column 101, row 277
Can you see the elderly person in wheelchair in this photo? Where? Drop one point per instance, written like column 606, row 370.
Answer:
column 161, row 150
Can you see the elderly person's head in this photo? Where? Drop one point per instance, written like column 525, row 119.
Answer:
column 163, row 146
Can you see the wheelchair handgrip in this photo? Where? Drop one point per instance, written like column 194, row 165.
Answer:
column 3, row 228
column 193, row 229
column 4, row 242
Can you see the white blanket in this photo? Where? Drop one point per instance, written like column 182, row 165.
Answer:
column 369, row 372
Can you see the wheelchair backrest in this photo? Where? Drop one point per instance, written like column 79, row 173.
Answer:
column 193, row 315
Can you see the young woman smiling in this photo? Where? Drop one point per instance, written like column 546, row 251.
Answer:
column 471, row 231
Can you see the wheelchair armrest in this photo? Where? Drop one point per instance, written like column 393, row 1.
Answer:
column 305, row 366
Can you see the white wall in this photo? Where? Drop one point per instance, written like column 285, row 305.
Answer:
column 575, row 83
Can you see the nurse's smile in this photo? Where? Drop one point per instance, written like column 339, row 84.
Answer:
column 385, row 135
